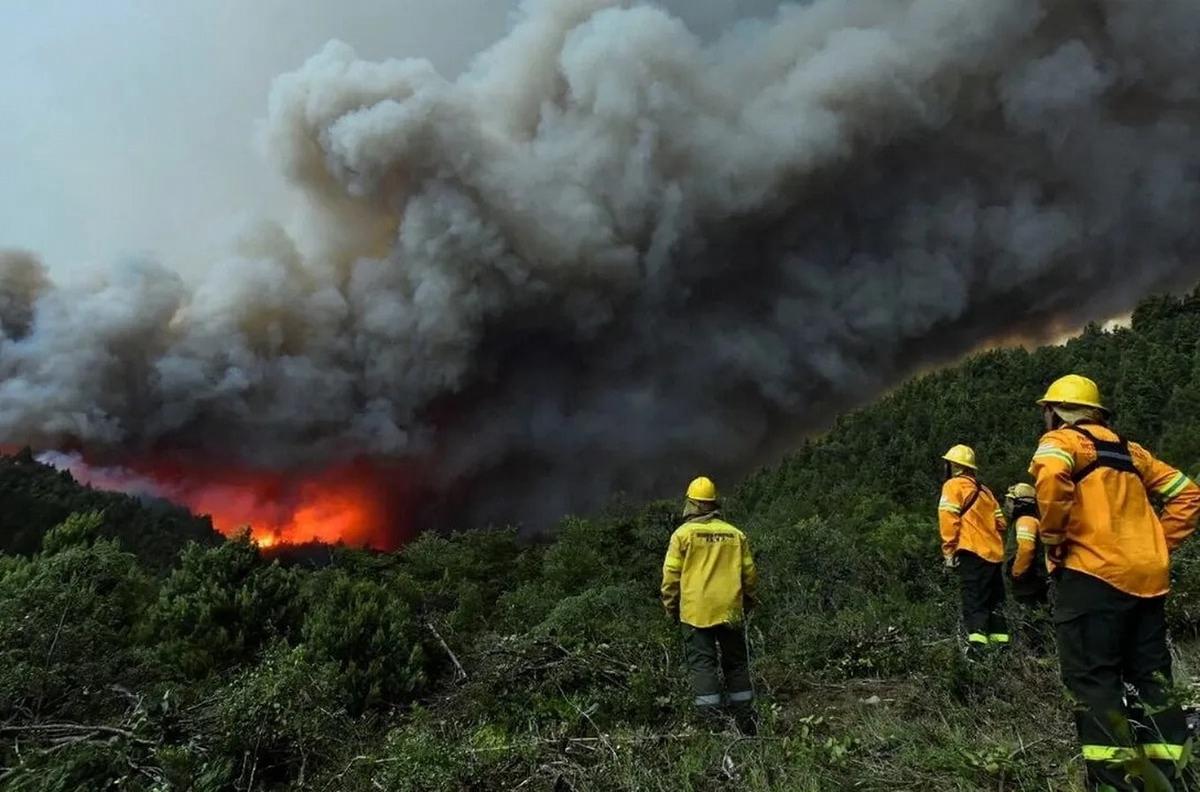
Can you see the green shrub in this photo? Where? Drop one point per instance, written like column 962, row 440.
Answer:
column 67, row 617
column 369, row 635
column 80, row 529
column 221, row 606
column 277, row 713
column 603, row 615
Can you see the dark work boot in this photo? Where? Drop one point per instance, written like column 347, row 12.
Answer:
column 745, row 718
column 747, row 725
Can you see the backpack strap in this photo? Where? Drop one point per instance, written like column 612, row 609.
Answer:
column 1111, row 454
column 969, row 502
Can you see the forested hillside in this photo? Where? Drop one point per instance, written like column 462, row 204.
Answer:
column 478, row 661
column 34, row 498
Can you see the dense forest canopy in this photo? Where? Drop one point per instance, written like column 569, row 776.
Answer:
column 36, row 497
column 139, row 652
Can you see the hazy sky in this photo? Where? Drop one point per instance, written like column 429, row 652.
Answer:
column 127, row 126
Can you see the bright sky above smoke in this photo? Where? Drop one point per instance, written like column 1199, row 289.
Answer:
column 127, row 126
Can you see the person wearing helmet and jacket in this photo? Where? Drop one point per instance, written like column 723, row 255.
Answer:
column 972, row 528
column 708, row 581
column 1094, row 492
column 1028, row 568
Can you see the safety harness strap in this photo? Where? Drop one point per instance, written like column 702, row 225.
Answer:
column 1111, row 454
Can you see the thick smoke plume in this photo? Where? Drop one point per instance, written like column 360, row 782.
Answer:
column 612, row 255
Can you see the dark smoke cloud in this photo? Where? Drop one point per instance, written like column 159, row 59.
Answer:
column 613, row 253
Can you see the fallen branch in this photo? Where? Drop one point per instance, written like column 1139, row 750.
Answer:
column 59, row 744
column 356, row 760
column 461, row 673
column 610, row 740
column 1025, row 747
column 61, row 729
column 57, row 631
column 586, row 716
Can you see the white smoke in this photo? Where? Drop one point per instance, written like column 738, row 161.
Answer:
column 108, row 478
column 613, row 254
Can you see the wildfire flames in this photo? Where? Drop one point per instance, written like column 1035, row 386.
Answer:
column 361, row 503
column 348, row 504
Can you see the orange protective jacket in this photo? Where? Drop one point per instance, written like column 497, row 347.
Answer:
column 1094, row 497
column 974, row 527
column 1027, row 537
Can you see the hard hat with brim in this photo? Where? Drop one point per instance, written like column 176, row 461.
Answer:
column 1073, row 390
column 961, row 455
column 702, row 489
column 1022, row 492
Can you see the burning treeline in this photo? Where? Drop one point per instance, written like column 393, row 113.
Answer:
column 362, row 502
column 611, row 254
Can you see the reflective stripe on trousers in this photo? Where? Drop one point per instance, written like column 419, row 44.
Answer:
column 1119, row 753
column 1108, row 753
column 1166, row 751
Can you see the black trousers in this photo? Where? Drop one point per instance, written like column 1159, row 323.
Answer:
column 1108, row 639
column 1032, row 592
column 982, row 599
column 711, row 651
column 1031, row 589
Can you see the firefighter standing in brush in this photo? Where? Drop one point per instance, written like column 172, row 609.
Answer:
column 1098, row 525
column 1030, row 587
column 1029, row 564
column 708, row 582
column 972, row 527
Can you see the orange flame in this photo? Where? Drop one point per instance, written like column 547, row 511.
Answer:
column 363, row 503
column 358, row 503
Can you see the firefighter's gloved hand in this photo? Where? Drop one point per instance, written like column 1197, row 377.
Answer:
column 1056, row 554
column 949, row 562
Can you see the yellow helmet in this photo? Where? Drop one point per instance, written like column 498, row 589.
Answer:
column 1073, row 389
column 1022, row 491
column 961, row 455
column 702, row 489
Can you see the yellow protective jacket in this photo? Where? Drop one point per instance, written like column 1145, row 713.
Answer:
column 707, row 572
column 976, row 527
column 1027, row 536
column 1093, row 492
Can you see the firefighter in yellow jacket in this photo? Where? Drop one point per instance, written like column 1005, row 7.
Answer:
column 1094, row 492
column 972, row 527
column 708, row 582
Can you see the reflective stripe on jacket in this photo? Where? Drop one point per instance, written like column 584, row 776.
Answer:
column 1105, row 517
column 707, row 572
column 1027, row 540
column 980, row 530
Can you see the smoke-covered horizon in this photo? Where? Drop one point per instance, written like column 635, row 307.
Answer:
column 612, row 253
